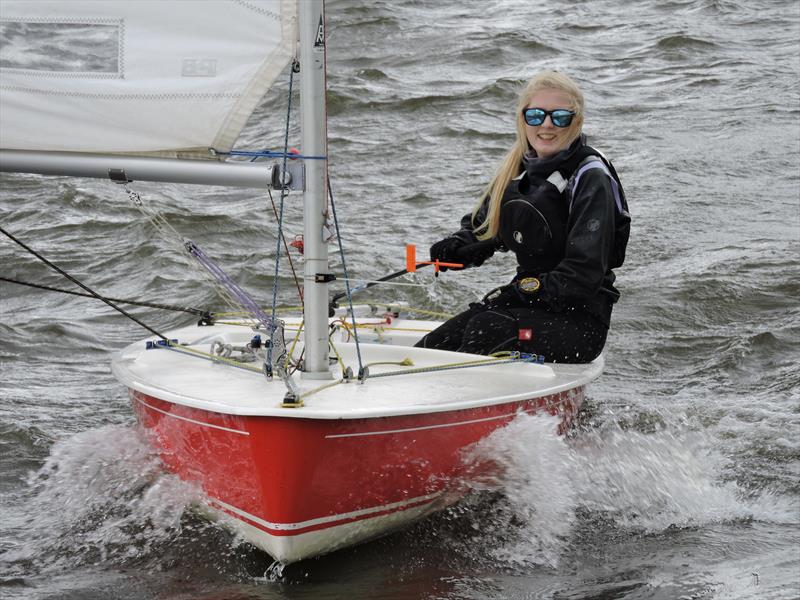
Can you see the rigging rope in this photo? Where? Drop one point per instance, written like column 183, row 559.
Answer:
column 86, row 288
column 288, row 254
column 194, row 311
column 284, row 191
column 173, row 237
column 242, row 297
column 461, row 365
column 270, row 153
column 346, row 280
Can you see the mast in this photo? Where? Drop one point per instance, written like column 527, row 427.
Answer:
column 314, row 139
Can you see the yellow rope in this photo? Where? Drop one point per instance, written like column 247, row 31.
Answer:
column 249, row 324
column 383, row 326
column 484, row 361
column 320, row 388
column 244, row 314
column 298, row 309
column 406, row 362
column 468, row 363
column 421, row 311
column 290, row 354
column 240, row 323
column 428, row 312
column 336, row 352
column 216, row 358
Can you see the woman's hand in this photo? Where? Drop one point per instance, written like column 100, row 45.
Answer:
column 445, row 251
column 457, row 250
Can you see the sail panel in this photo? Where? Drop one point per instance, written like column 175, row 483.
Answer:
column 169, row 77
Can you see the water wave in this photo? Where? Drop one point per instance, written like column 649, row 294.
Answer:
column 539, row 498
column 101, row 496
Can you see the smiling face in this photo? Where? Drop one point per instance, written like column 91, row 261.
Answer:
column 547, row 139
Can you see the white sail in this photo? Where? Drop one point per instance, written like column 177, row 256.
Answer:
column 169, row 77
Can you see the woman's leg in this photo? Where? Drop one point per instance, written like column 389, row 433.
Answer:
column 448, row 336
column 568, row 337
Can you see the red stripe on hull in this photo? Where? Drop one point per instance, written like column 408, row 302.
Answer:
column 288, row 471
column 324, row 524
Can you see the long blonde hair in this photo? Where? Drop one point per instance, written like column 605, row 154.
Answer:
column 512, row 163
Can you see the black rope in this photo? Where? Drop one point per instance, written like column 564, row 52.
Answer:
column 194, row 311
column 79, row 284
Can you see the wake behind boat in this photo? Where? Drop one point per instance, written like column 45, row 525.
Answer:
column 307, row 434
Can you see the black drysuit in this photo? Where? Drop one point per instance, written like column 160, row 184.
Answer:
column 570, row 240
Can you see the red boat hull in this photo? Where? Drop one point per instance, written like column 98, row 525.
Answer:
column 327, row 482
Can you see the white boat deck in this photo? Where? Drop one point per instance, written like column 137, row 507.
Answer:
column 188, row 380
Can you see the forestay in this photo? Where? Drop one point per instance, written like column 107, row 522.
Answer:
column 166, row 77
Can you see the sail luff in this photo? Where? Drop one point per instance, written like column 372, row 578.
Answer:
column 268, row 71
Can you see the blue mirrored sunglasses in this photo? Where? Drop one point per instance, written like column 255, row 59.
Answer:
column 561, row 117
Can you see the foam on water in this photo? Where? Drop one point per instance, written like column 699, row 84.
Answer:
column 527, row 469
column 554, row 489
column 100, row 496
column 531, row 466
column 653, row 481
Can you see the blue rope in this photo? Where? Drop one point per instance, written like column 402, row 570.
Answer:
column 280, row 222
column 346, row 279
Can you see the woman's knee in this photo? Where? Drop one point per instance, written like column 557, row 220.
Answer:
column 488, row 332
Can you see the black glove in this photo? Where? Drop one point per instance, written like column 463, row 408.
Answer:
column 474, row 255
column 445, row 251
column 457, row 250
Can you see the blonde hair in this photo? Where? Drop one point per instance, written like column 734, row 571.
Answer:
column 512, row 163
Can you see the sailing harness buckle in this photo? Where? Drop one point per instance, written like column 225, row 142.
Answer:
column 529, row 285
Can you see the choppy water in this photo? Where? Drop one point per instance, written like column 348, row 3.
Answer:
column 682, row 478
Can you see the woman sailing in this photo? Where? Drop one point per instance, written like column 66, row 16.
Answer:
column 558, row 205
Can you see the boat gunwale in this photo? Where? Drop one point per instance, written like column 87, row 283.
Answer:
column 589, row 372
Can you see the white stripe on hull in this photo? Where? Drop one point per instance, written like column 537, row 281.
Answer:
column 196, row 422
column 438, row 426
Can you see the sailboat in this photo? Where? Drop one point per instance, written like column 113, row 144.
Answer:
column 305, row 434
